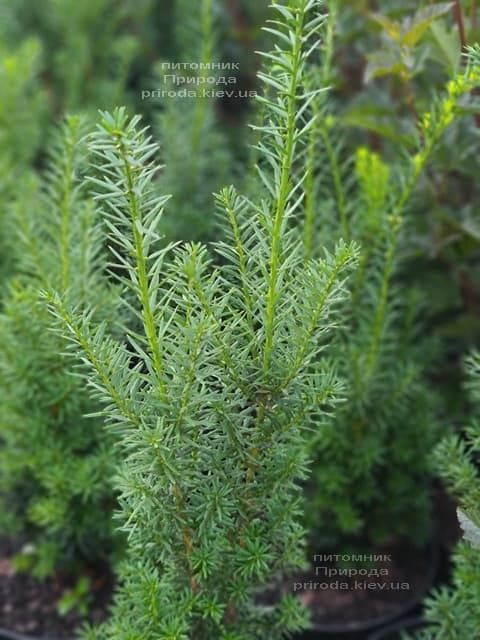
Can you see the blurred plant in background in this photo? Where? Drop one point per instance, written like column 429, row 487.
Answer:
column 372, row 473
column 22, row 120
column 56, row 465
column 101, row 53
column 389, row 61
column 198, row 160
column 88, row 47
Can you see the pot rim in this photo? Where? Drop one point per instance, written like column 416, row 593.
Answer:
column 399, row 625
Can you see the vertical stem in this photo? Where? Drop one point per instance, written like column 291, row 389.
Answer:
column 458, row 14
column 315, row 133
column 142, row 271
column 410, row 96
column 65, row 214
column 283, row 190
column 381, row 311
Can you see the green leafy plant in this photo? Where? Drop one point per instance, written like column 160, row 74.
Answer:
column 216, row 394
column 399, row 57
column 372, row 469
column 383, row 113
column 22, row 107
column 81, row 57
column 56, row 465
column 76, row 599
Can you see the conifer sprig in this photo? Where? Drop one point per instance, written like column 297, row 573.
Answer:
column 212, row 463
column 132, row 212
column 285, row 127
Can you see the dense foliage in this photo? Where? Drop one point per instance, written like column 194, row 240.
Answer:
column 211, row 404
column 56, row 465
column 242, row 404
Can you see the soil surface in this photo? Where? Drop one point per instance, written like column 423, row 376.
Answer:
column 29, row 606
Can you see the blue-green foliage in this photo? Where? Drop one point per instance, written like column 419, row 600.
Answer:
column 217, row 393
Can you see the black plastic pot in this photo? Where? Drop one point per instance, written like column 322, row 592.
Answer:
column 395, row 630
column 364, row 630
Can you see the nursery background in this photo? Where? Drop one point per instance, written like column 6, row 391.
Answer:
column 239, row 319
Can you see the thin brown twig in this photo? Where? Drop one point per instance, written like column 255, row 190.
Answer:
column 458, row 13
